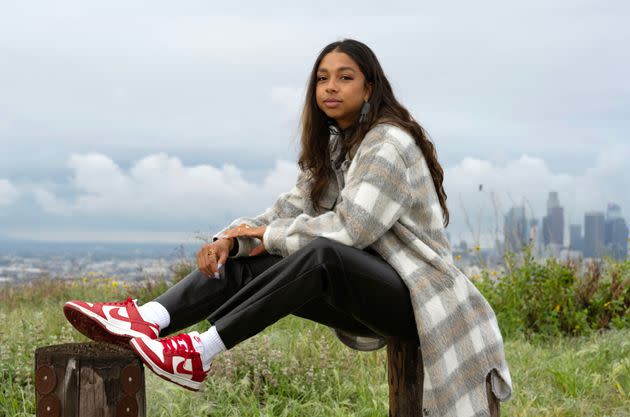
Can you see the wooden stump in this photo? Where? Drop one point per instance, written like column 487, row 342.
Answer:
column 405, row 374
column 88, row 379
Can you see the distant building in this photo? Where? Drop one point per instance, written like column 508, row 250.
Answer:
column 515, row 229
column 613, row 211
column 535, row 237
column 576, row 241
column 594, row 227
column 552, row 200
column 553, row 222
column 615, row 233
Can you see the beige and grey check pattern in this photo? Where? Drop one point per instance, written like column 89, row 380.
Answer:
column 384, row 197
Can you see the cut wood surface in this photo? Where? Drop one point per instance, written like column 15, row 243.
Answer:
column 88, row 379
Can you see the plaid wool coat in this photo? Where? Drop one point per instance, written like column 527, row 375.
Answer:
column 384, row 197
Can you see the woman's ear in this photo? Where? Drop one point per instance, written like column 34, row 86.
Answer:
column 368, row 91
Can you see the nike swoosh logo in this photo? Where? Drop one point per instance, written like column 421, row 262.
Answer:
column 111, row 314
column 179, row 365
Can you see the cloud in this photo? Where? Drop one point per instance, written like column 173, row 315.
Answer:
column 179, row 78
column 289, row 102
column 160, row 190
column 291, row 98
column 523, row 113
column 527, row 181
column 8, row 192
column 159, row 193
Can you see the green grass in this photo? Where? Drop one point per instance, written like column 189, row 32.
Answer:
column 298, row 368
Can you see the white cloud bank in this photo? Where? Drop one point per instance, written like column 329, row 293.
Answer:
column 527, row 181
column 160, row 189
column 8, row 192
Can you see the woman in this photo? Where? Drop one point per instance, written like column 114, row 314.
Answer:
column 358, row 244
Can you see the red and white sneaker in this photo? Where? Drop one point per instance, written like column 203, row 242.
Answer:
column 174, row 358
column 109, row 322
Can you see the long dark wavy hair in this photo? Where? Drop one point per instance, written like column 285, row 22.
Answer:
column 384, row 108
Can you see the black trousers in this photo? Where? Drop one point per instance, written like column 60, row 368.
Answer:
column 325, row 281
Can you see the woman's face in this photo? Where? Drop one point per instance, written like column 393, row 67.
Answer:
column 340, row 88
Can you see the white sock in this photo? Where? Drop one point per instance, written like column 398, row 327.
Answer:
column 155, row 313
column 212, row 345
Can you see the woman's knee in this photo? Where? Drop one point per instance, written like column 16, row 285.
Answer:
column 325, row 244
column 324, row 249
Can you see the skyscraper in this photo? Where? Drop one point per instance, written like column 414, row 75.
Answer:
column 535, row 236
column 575, row 237
column 553, row 222
column 515, row 229
column 615, row 233
column 613, row 211
column 594, row 234
column 552, row 200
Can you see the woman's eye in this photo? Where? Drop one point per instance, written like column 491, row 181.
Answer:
column 346, row 77
column 321, row 78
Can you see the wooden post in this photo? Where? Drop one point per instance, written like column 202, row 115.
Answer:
column 493, row 401
column 88, row 379
column 405, row 375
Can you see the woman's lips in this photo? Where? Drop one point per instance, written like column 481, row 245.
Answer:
column 331, row 104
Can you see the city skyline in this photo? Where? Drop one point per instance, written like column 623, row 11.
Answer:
column 605, row 233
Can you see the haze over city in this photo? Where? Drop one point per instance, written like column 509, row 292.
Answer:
column 156, row 121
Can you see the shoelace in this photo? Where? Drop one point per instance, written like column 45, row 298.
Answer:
column 128, row 301
column 133, row 303
column 171, row 346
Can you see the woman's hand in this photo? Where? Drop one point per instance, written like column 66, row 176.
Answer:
column 212, row 256
column 246, row 230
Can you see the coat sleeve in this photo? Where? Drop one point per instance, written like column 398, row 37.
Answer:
column 377, row 192
column 289, row 204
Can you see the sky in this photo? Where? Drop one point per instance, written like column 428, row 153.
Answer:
column 164, row 121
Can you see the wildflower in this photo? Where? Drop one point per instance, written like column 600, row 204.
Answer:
column 477, row 248
column 557, row 309
column 114, row 284
column 458, row 257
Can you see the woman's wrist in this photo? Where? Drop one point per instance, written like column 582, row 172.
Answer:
column 230, row 242
column 229, row 239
